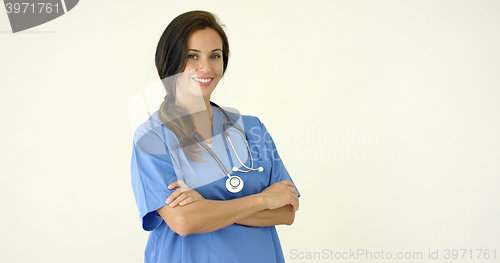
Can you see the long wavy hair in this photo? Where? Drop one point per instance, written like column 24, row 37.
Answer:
column 170, row 59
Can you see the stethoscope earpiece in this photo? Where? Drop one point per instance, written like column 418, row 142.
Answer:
column 236, row 169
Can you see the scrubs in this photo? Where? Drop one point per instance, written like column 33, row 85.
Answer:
column 157, row 161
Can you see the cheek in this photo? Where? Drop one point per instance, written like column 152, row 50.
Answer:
column 219, row 68
column 184, row 77
column 189, row 66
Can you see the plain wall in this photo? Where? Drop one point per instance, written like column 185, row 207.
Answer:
column 386, row 114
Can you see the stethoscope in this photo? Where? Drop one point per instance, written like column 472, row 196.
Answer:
column 234, row 183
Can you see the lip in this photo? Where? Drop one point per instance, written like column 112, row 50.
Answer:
column 205, row 81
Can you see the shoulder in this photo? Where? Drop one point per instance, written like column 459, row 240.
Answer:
column 149, row 136
column 255, row 130
column 246, row 121
column 151, row 127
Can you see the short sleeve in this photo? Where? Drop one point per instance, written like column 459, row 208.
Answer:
column 278, row 170
column 152, row 171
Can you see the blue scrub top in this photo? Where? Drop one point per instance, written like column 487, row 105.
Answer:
column 157, row 161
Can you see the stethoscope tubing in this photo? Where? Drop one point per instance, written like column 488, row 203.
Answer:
column 234, row 183
column 213, row 155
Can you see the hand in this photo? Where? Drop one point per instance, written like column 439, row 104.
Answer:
column 280, row 194
column 183, row 195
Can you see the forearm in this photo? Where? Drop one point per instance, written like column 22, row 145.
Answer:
column 281, row 216
column 209, row 215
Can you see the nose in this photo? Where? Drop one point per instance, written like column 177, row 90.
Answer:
column 204, row 66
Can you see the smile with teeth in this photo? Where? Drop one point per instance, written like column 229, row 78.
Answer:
column 203, row 80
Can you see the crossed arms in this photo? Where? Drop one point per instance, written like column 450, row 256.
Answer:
column 188, row 212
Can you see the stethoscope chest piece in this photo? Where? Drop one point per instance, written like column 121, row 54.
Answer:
column 234, row 184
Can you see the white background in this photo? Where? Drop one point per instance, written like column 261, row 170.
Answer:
column 422, row 77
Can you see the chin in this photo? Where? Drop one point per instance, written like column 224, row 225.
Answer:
column 207, row 92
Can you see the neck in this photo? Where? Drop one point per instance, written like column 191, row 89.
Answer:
column 194, row 104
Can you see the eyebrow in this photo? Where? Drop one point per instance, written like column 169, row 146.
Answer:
column 196, row 50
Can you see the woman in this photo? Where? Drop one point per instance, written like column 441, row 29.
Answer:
column 196, row 210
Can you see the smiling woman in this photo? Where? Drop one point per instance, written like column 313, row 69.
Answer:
column 196, row 210
column 179, row 51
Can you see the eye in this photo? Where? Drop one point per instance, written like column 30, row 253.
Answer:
column 192, row 56
column 216, row 56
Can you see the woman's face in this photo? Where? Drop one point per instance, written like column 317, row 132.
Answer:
column 204, row 64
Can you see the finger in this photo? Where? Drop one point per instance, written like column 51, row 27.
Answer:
column 187, row 201
column 174, row 184
column 298, row 203
column 286, row 182
column 181, row 185
column 294, row 201
column 291, row 187
column 173, row 195
column 288, row 188
column 179, row 199
column 294, row 190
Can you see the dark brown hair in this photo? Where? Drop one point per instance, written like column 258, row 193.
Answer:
column 170, row 59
